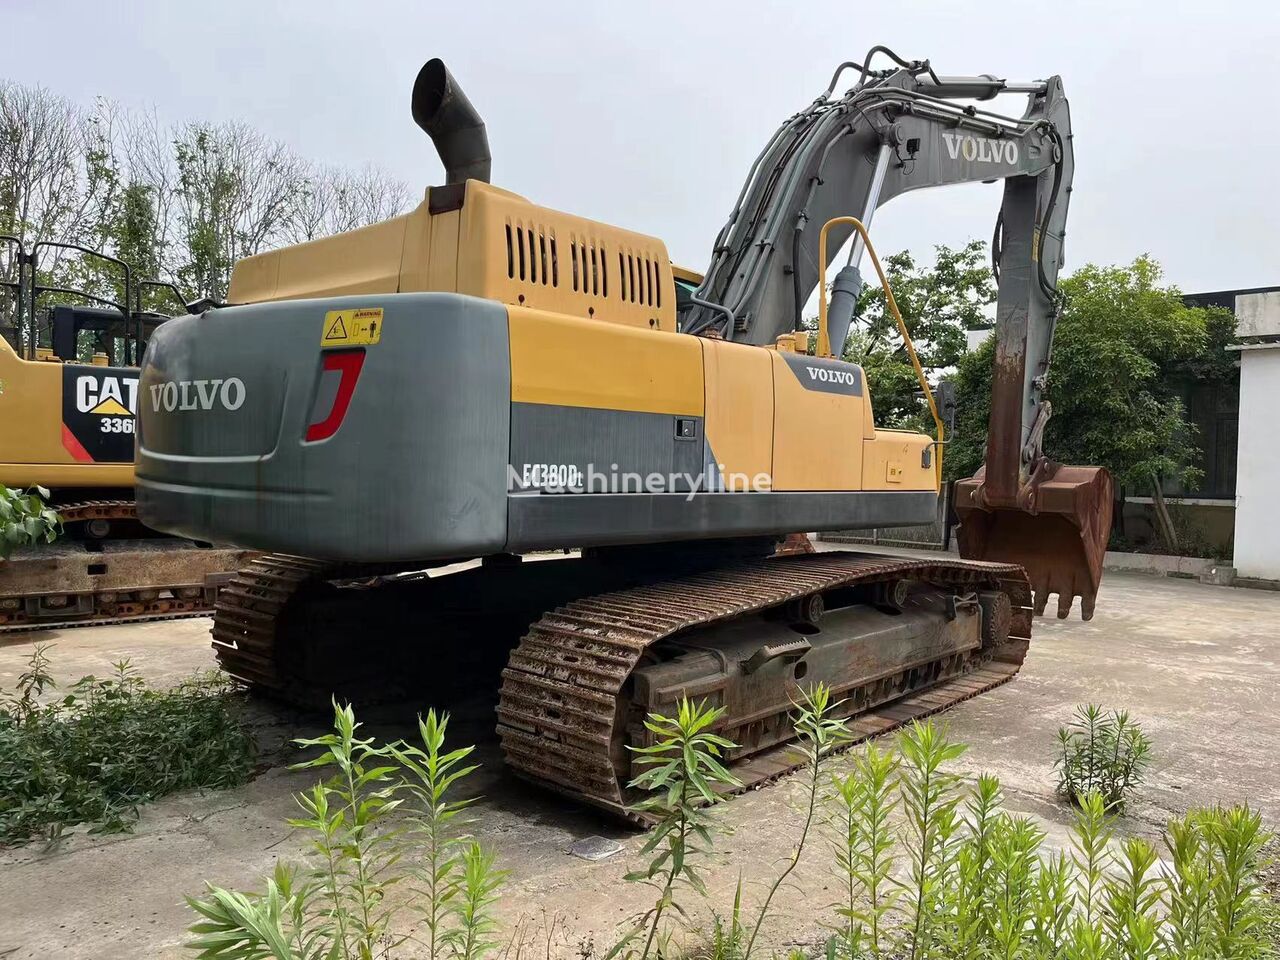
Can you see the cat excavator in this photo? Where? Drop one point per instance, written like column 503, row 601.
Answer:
column 68, row 396
column 406, row 415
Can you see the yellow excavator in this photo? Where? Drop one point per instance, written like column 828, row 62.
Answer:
column 483, row 378
column 68, row 425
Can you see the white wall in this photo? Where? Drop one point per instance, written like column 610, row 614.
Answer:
column 1257, row 550
column 1258, row 314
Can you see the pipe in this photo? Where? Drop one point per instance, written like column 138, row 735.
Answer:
column 982, row 87
column 442, row 110
column 883, row 157
column 824, row 337
column 847, row 286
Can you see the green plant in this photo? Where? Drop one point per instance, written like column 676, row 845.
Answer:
column 1235, row 840
column 929, row 798
column 341, row 909
column 862, row 802
column 819, row 733
column 1051, row 908
column 25, row 519
column 682, row 769
column 343, row 815
column 472, row 935
column 993, row 893
column 1190, row 893
column 108, row 745
column 968, row 902
column 435, row 821
column 1125, row 349
column 726, row 939
column 1103, row 752
column 1131, row 896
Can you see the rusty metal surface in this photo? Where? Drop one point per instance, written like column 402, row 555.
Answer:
column 73, row 583
column 1057, row 529
column 250, row 619
column 96, row 510
column 564, row 705
column 246, row 619
column 66, row 585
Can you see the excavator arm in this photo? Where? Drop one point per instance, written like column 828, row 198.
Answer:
column 907, row 128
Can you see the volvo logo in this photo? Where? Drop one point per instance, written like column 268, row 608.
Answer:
column 832, row 376
column 174, row 395
column 981, row 149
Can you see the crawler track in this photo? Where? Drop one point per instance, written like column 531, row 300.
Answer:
column 247, row 617
column 564, row 716
column 566, row 712
column 77, row 583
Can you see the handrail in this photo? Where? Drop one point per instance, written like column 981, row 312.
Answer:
column 824, row 337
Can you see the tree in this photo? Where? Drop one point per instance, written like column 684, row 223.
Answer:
column 938, row 304
column 335, row 200
column 177, row 202
column 1121, row 336
column 236, row 192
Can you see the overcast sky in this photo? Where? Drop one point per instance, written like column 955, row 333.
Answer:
column 648, row 115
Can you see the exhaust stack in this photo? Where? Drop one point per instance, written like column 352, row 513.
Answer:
column 444, row 112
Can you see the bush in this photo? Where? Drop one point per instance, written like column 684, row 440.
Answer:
column 108, row 745
column 1102, row 752
column 25, row 520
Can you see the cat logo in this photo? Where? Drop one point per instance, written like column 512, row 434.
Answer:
column 99, row 407
column 107, row 396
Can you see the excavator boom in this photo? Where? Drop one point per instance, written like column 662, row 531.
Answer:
column 894, row 131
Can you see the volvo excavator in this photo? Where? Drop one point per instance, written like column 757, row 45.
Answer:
column 68, row 398
column 404, row 415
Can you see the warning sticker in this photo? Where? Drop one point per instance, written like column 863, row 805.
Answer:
column 351, row 328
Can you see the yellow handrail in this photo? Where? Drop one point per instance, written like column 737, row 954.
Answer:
column 824, row 336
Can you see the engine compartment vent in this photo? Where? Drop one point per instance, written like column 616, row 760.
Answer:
column 641, row 278
column 532, row 255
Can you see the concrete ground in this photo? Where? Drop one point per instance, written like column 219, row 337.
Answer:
column 1198, row 666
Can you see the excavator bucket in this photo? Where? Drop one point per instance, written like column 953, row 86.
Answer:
column 1057, row 532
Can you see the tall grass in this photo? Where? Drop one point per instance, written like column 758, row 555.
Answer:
column 975, row 881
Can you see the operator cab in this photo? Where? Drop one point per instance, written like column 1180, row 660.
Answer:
column 85, row 326
column 686, row 282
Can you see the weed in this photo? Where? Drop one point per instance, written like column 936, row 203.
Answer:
column 339, row 907
column 343, row 815
column 929, row 798
column 471, row 936
column 682, row 770
column 108, row 745
column 819, row 733
column 435, row 822
column 961, row 879
column 1102, row 752
column 862, row 846
column 726, row 940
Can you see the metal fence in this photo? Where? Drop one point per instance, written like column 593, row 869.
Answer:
column 931, row 536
